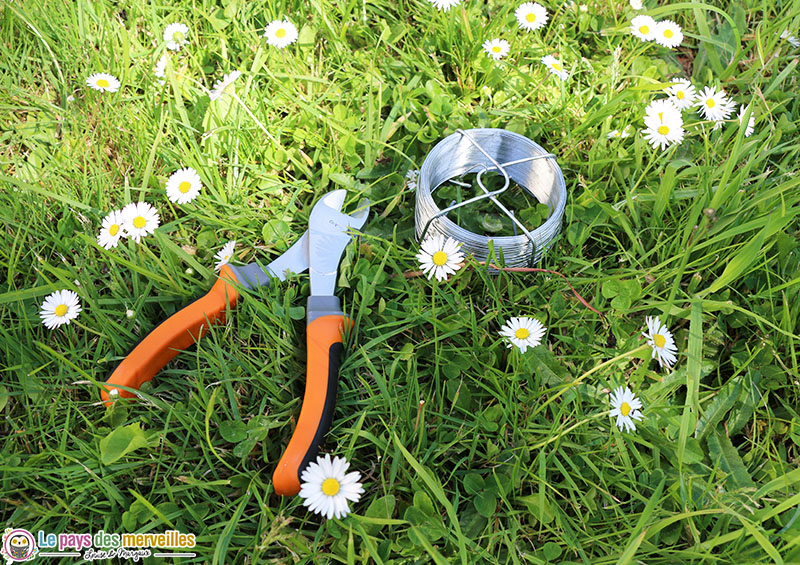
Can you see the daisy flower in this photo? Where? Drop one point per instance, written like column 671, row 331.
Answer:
column 160, row 70
column 644, row 27
column 412, row 176
column 668, row 34
column 661, row 340
column 793, row 41
column 496, row 48
column 225, row 254
column 714, row 105
column 444, row 5
column 531, row 16
column 682, row 94
column 619, row 134
column 176, row 36
column 750, row 123
column 664, row 124
column 103, row 82
column 139, row 220
column 280, row 33
column 111, row 230
column 183, row 186
column 523, row 332
column 555, row 67
column 636, row 4
column 325, row 487
column 625, row 406
column 221, row 85
column 59, row 308
column 439, row 258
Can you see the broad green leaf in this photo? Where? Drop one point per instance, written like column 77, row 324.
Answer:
column 233, row 431
column 727, row 458
column 120, row 442
column 720, row 406
column 739, row 264
column 485, row 503
column 382, row 508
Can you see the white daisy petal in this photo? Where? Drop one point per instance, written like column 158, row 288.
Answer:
column 663, row 124
column 668, row 34
column 660, row 339
column 439, row 258
column 225, row 255
column 714, row 105
column 750, row 123
column 103, row 82
column 496, row 48
column 176, row 36
column 523, row 332
column 60, row 307
column 444, row 5
column 531, row 16
column 682, row 94
column 555, row 66
column 644, row 27
column 326, row 488
column 221, row 85
column 280, row 33
column 111, row 230
column 625, row 407
column 184, row 185
column 139, row 219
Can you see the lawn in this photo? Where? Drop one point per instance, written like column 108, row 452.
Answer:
column 469, row 451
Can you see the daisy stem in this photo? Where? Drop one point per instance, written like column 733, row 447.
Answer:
column 256, row 120
column 577, row 381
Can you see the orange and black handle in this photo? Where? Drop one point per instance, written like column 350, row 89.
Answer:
column 176, row 333
column 326, row 324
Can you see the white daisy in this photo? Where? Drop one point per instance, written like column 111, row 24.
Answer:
column 444, row 4
column 176, row 36
column 183, row 185
column 225, row 254
column 325, row 487
column 139, row 220
column 625, row 406
column 523, row 332
column 644, row 27
column 440, row 258
column 682, row 94
column 750, row 123
column 664, row 124
column 221, row 85
column 636, row 4
column 111, row 230
column 727, row 110
column 714, row 105
column 668, row 34
column 619, row 134
column 103, row 82
column 412, row 176
column 531, row 16
column 496, row 48
column 59, row 308
column 793, row 41
column 661, row 340
column 280, row 33
column 160, row 70
column 555, row 67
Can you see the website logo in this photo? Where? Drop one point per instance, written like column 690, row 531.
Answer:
column 18, row 545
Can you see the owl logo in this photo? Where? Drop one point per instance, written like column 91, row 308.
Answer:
column 18, row 545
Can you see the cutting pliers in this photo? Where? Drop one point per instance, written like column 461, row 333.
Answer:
column 319, row 250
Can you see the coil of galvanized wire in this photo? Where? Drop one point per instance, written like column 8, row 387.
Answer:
column 516, row 158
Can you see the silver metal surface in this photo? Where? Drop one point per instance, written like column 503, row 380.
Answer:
column 328, row 235
column 516, row 158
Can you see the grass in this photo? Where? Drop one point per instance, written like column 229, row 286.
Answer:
column 469, row 452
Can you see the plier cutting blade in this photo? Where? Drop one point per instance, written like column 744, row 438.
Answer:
column 319, row 250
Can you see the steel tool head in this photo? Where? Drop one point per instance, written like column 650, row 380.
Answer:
column 328, row 234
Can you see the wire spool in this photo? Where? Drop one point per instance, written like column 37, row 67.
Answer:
column 517, row 159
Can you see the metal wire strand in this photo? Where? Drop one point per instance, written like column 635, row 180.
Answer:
column 516, row 158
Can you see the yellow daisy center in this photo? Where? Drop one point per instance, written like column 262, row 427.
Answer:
column 139, row 222
column 644, row 30
column 556, row 66
column 625, row 409
column 680, row 95
column 659, row 340
column 668, row 33
column 61, row 310
column 522, row 333
column 103, row 83
column 531, row 17
column 280, row 33
column 496, row 49
column 439, row 258
column 184, row 186
column 663, row 130
column 330, row 487
column 114, row 229
column 178, row 36
column 710, row 103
